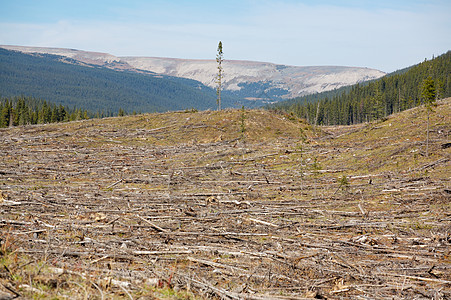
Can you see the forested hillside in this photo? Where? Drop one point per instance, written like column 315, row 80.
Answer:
column 99, row 89
column 376, row 99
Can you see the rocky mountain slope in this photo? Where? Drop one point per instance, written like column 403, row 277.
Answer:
column 295, row 81
column 248, row 79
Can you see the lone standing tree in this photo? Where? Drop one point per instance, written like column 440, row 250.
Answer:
column 428, row 93
column 219, row 59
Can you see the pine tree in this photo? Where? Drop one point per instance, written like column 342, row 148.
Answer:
column 428, row 93
column 219, row 60
column 4, row 114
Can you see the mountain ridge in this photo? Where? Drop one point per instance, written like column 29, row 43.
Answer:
column 296, row 80
column 247, row 79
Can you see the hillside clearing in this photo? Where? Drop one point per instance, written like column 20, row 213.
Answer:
column 232, row 204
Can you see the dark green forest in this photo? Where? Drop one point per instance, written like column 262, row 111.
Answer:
column 373, row 100
column 100, row 89
column 28, row 110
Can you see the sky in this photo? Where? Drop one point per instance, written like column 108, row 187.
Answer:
column 385, row 34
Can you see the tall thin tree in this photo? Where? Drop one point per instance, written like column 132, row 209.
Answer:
column 428, row 93
column 219, row 60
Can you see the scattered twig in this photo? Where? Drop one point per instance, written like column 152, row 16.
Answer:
column 263, row 222
column 156, row 227
column 113, row 184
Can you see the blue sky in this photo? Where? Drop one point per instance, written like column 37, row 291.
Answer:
column 385, row 35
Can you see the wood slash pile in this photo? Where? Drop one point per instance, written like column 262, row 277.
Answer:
column 226, row 219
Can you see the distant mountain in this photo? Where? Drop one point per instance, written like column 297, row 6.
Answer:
column 260, row 81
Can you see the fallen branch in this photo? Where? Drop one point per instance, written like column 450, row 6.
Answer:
column 263, row 222
column 421, row 278
column 116, row 183
column 154, row 226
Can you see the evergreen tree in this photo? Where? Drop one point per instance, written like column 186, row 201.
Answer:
column 4, row 114
column 428, row 93
column 219, row 60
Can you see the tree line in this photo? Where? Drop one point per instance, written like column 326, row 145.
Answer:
column 376, row 99
column 28, row 110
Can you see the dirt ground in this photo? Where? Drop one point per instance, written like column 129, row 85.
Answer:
column 128, row 208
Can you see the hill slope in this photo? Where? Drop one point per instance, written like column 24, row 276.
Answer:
column 198, row 203
column 245, row 79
